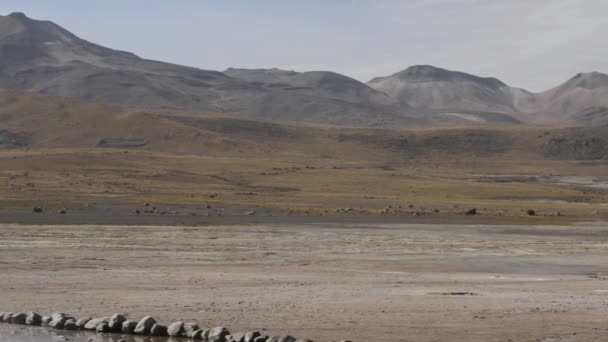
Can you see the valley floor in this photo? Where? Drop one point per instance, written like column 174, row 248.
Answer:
column 326, row 281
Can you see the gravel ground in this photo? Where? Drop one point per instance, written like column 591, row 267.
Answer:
column 325, row 281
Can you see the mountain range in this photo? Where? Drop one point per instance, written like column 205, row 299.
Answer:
column 42, row 57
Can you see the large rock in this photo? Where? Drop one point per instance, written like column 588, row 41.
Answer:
column 176, row 329
column 115, row 322
column 33, row 319
column 158, row 330
column 218, row 334
column 93, row 323
column 144, row 326
column 19, row 318
column 70, row 324
column 46, row 320
column 262, row 338
column 1, row 317
column 128, row 327
column 189, row 329
column 81, row 323
column 273, row 339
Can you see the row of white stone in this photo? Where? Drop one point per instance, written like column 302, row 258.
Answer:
column 147, row 326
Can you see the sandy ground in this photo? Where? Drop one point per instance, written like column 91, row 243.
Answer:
column 326, row 281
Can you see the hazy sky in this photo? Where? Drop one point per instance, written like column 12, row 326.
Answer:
column 534, row 44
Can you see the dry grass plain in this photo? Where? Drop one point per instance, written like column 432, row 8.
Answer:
column 501, row 190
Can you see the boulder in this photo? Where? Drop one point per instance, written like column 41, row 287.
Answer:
column 93, row 323
column 189, row 329
column 144, row 326
column 273, row 339
column 128, row 327
column 251, row 335
column 472, row 212
column 1, row 317
column 19, row 318
column 82, row 322
column 33, row 319
column 176, row 329
column 70, row 324
column 531, row 212
column 158, row 330
column 115, row 322
column 46, row 320
column 262, row 338
column 218, row 334
column 103, row 328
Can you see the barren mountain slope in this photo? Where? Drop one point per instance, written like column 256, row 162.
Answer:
column 40, row 56
column 41, row 121
column 425, row 86
column 581, row 99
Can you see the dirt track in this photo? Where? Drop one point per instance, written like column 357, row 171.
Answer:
column 324, row 281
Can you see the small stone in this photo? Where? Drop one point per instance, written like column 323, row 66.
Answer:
column 7, row 317
column 33, row 318
column 70, row 324
column 82, row 322
column 238, row 337
column 115, row 322
column 19, row 318
column 144, row 326
column 251, row 335
column 128, row 327
column 176, row 329
column 158, row 330
column 103, row 328
column 93, row 323
column 189, row 329
column 197, row 335
column 218, row 334
column 58, row 320
column 287, row 339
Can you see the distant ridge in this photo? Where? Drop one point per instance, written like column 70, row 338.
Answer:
column 42, row 57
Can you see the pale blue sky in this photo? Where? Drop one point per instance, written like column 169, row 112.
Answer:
column 530, row 44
